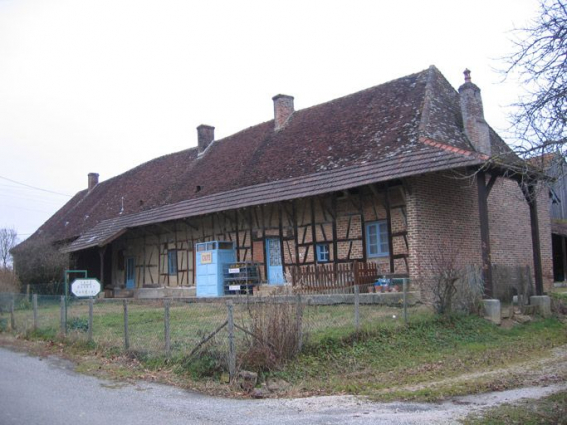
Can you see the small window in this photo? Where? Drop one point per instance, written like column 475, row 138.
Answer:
column 377, row 239
column 323, row 253
column 172, row 261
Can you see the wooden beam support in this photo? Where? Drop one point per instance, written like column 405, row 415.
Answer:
column 389, row 226
column 484, row 233
column 362, row 226
column 490, row 184
column 334, row 228
column 101, row 252
column 529, row 191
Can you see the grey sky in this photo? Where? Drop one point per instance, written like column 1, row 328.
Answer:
column 102, row 86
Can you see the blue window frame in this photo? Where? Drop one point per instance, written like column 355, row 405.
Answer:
column 172, row 261
column 322, row 252
column 377, row 239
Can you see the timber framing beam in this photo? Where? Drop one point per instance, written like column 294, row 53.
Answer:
column 482, row 192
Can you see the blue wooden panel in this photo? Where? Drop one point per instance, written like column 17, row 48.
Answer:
column 210, row 272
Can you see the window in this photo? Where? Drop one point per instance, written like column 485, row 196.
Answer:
column 377, row 239
column 172, row 261
column 323, row 253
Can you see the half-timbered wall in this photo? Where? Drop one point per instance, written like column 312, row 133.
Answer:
column 337, row 219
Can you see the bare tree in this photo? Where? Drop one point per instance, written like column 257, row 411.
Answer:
column 8, row 239
column 540, row 61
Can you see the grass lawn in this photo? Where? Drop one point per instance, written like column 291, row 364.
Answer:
column 548, row 410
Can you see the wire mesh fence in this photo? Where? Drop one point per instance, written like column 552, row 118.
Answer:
column 237, row 332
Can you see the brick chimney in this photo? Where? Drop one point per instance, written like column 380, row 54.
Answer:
column 476, row 127
column 205, row 136
column 283, row 108
column 93, row 180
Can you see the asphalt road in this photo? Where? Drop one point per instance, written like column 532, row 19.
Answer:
column 37, row 391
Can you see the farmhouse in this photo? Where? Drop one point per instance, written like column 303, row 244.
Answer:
column 389, row 177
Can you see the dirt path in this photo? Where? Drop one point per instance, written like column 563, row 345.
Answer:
column 536, row 373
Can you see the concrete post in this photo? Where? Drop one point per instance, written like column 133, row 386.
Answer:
column 493, row 311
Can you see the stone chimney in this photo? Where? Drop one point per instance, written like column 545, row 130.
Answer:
column 476, row 127
column 205, row 136
column 93, row 180
column 283, row 108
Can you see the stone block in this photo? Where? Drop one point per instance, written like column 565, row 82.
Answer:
column 542, row 304
column 493, row 311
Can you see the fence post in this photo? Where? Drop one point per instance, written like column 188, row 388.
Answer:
column 357, row 308
column 126, row 338
column 12, row 314
column 299, row 322
column 231, row 348
column 91, row 303
column 405, row 290
column 34, row 304
column 63, row 324
column 166, row 325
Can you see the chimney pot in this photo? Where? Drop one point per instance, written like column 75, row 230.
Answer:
column 205, row 136
column 93, row 180
column 472, row 111
column 283, row 108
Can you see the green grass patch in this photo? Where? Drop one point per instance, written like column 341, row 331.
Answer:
column 379, row 361
column 548, row 410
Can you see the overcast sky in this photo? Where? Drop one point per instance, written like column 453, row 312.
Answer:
column 102, row 86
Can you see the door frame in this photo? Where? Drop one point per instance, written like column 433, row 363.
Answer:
column 267, row 252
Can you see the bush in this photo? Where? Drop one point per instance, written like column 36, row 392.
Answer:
column 9, row 281
column 277, row 330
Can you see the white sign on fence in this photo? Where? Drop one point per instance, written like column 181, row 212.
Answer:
column 85, row 287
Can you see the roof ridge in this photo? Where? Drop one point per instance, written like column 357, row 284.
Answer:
column 426, row 105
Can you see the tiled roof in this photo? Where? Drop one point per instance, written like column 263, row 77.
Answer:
column 408, row 126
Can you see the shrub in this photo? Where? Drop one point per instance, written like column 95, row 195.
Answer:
column 277, row 330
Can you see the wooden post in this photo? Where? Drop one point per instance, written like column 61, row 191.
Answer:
column 91, row 304
column 405, row 289
column 299, row 322
column 357, row 308
column 63, row 322
column 482, row 193
column 389, row 226
column 12, row 314
column 536, row 244
column 34, row 303
column 101, row 252
column 564, row 257
column 231, row 347
column 166, row 325
column 529, row 191
column 126, row 337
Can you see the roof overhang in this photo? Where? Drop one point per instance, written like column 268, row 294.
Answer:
column 421, row 159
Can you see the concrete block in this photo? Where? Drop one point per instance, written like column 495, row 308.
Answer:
column 493, row 311
column 542, row 304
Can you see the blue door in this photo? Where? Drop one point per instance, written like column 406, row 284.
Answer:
column 274, row 261
column 130, row 274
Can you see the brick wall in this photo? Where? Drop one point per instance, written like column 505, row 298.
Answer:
column 443, row 216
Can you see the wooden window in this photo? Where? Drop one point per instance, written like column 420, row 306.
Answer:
column 172, row 261
column 323, row 253
column 377, row 239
